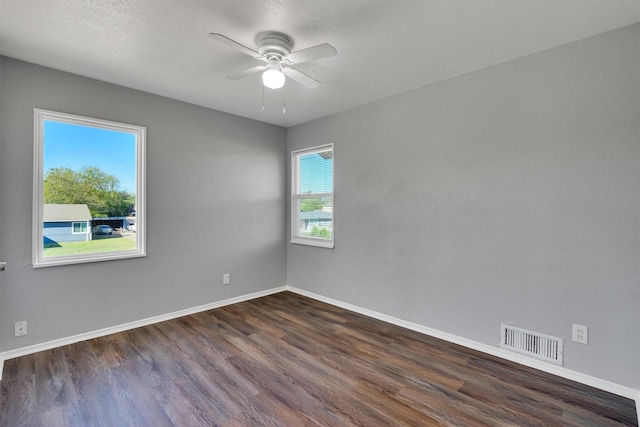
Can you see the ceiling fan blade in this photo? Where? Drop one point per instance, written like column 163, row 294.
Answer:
column 247, row 72
column 324, row 50
column 301, row 77
column 234, row 44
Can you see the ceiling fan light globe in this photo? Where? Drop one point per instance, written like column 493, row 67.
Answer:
column 273, row 79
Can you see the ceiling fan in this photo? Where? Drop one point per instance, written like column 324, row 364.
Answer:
column 275, row 50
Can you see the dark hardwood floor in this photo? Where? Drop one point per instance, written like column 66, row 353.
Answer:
column 286, row 360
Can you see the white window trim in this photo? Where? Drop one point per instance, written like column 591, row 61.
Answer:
column 38, row 259
column 295, row 197
column 79, row 222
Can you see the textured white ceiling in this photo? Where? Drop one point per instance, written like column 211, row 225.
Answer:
column 384, row 47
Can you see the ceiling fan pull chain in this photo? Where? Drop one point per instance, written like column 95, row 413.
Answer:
column 284, row 100
column 262, row 110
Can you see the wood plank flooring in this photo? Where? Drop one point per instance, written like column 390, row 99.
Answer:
column 286, row 360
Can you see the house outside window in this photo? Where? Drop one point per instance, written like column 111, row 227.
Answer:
column 312, row 201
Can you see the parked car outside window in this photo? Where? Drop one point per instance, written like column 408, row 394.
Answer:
column 102, row 229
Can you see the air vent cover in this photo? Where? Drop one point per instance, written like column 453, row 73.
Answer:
column 540, row 346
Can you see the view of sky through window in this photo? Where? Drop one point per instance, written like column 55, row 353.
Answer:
column 74, row 146
column 316, row 173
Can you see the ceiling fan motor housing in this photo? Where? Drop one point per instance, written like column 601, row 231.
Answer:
column 272, row 43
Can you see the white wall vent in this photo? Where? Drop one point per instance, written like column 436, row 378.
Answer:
column 540, row 346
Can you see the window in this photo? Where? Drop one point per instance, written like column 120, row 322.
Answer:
column 79, row 227
column 89, row 182
column 312, row 197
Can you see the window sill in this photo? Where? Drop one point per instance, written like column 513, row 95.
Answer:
column 310, row 241
column 80, row 259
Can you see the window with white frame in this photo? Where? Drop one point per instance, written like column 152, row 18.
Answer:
column 312, row 216
column 89, row 182
column 79, row 228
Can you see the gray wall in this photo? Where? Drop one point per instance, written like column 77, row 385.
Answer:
column 215, row 204
column 507, row 195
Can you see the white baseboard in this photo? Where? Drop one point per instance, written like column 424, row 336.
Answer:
column 127, row 326
column 494, row 351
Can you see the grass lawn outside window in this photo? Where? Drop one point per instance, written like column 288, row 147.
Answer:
column 98, row 244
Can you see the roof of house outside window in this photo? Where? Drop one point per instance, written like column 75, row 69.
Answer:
column 60, row 212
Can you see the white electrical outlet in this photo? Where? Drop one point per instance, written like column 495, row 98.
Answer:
column 21, row 328
column 581, row 334
column 226, row 278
